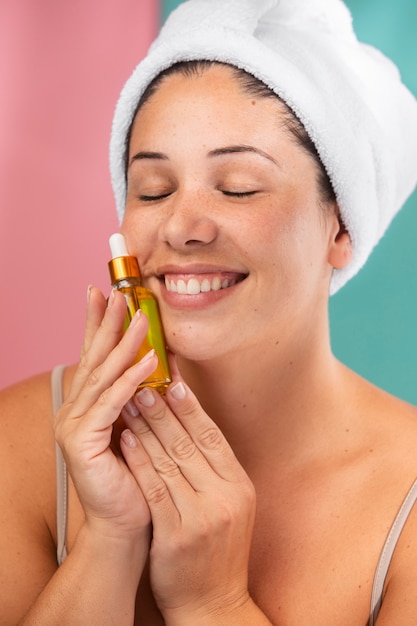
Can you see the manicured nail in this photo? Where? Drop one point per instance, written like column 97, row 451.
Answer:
column 111, row 298
column 135, row 318
column 145, row 397
column 89, row 288
column 131, row 408
column 129, row 438
column 178, row 391
column 147, row 356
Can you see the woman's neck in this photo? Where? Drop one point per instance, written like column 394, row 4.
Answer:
column 269, row 400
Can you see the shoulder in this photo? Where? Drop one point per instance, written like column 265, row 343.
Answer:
column 388, row 442
column 26, row 417
column 27, row 453
column 383, row 414
column 399, row 605
column 27, row 494
column 394, row 423
column 27, row 444
column 32, row 390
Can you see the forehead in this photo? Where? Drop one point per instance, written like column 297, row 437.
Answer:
column 215, row 97
column 211, row 71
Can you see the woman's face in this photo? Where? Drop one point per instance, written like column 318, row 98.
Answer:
column 223, row 215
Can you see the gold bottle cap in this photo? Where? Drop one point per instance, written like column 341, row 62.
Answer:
column 123, row 267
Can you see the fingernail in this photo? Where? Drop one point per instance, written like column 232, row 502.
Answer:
column 147, row 356
column 145, row 396
column 111, row 298
column 89, row 288
column 135, row 318
column 178, row 391
column 129, row 438
column 131, row 408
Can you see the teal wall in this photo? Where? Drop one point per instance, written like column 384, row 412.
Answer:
column 373, row 318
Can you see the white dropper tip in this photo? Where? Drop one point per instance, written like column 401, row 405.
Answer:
column 118, row 246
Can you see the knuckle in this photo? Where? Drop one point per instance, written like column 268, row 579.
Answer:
column 156, row 493
column 211, row 438
column 141, row 428
column 189, row 407
column 156, row 413
column 184, row 447
column 167, row 467
column 250, row 492
column 83, row 356
column 93, row 378
column 84, row 366
column 246, row 502
column 106, row 401
column 205, row 529
column 225, row 515
column 103, row 399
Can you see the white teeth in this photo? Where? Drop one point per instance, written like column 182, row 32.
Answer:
column 216, row 284
column 194, row 287
column 205, row 285
column 181, row 286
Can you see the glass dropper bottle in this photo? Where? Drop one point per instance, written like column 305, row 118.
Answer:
column 125, row 277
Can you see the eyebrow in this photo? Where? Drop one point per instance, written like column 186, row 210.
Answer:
column 241, row 148
column 213, row 153
column 148, row 155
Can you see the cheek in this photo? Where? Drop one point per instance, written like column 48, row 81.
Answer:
column 289, row 244
column 140, row 232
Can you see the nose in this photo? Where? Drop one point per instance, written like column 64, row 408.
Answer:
column 189, row 223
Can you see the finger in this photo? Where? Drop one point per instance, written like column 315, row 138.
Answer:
column 100, row 337
column 154, row 488
column 121, row 356
column 173, row 366
column 96, row 307
column 118, row 361
column 164, row 465
column 189, row 436
column 105, row 411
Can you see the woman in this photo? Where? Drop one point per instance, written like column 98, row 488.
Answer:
column 262, row 487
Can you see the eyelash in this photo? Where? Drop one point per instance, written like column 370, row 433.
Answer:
column 233, row 194
column 239, row 194
column 151, row 198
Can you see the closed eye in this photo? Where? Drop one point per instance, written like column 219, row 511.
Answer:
column 239, row 194
column 146, row 198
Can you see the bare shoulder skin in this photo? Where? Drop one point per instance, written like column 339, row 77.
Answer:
column 27, row 488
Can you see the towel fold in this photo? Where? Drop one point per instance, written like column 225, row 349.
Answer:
column 348, row 95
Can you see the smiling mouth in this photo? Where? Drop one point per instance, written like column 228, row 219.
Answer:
column 201, row 284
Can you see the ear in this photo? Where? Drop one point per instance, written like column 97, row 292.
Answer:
column 340, row 248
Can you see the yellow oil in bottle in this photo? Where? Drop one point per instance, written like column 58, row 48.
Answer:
column 125, row 277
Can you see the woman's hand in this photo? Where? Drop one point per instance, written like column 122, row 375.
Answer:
column 202, row 505
column 103, row 383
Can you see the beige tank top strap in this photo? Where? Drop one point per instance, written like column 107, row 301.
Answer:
column 61, row 470
column 387, row 552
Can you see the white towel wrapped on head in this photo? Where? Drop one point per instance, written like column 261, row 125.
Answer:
column 348, row 95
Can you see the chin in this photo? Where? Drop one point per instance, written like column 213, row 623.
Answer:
column 194, row 344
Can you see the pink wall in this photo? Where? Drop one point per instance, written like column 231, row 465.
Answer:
column 62, row 65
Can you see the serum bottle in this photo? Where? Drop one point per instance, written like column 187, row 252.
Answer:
column 125, row 276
